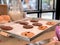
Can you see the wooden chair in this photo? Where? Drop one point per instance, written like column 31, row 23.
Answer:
column 3, row 9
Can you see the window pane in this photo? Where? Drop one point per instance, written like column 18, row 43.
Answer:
column 47, row 4
column 47, row 15
column 40, row 4
column 55, row 4
column 32, row 15
column 54, row 15
column 29, row 4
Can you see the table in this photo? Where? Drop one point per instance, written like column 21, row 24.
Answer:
column 15, row 41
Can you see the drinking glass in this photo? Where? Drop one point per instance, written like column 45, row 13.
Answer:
column 16, row 10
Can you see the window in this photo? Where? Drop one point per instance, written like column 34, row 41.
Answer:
column 47, row 9
column 39, row 7
column 29, row 4
column 5, row 1
column 47, row 15
column 47, row 4
column 55, row 4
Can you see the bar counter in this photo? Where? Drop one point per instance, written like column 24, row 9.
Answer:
column 15, row 41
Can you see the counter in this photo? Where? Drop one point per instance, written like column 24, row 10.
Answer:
column 14, row 41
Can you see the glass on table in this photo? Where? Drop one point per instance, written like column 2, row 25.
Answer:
column 16, row 10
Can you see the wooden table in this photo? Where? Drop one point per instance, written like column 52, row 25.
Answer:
column 14, row 41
